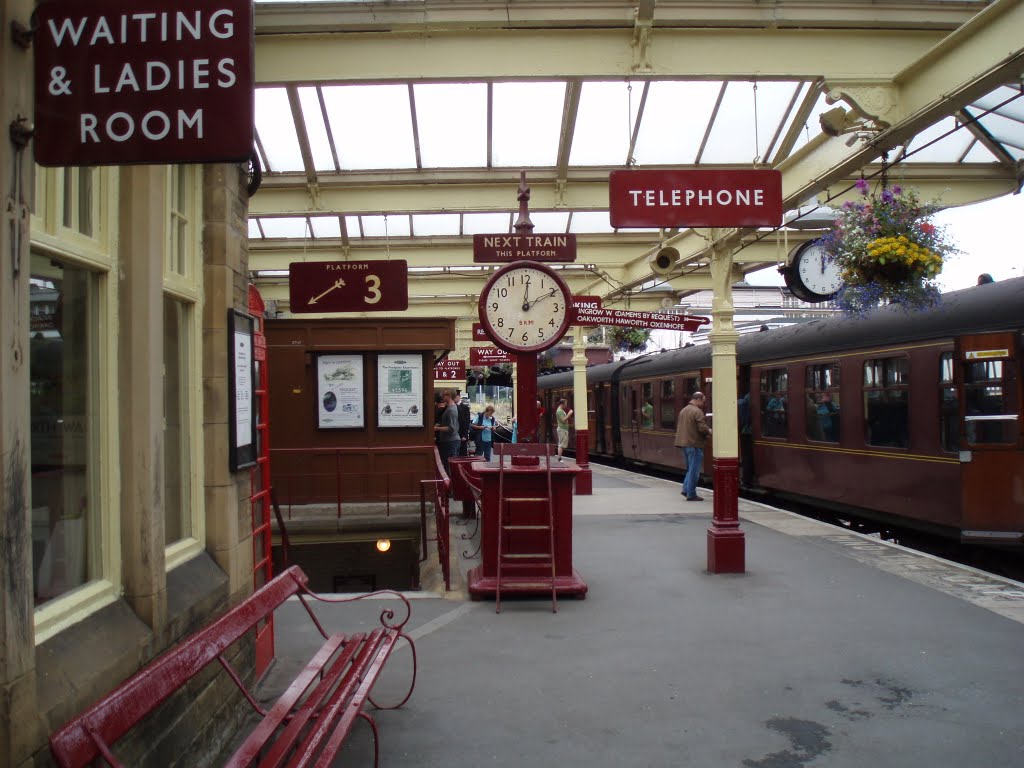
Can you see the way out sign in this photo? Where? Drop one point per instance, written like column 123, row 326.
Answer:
column 119, row 82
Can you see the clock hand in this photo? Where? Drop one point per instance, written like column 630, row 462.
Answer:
column 526, row 298
column 547, row 295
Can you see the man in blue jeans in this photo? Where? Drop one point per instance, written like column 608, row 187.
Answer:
column 692, row 432
column 448, row 441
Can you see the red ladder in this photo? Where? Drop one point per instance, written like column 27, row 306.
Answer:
column 509, row 521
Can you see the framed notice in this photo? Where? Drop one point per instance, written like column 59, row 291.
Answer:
column 400, row 390
column 340, row 398
column 241, row 395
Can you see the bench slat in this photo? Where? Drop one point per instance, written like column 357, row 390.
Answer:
column 348, row 718
column 285, row 742
column 338, row 714
column 257, row 739
column 116, row 713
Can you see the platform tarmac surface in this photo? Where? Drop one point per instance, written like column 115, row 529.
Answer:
column 833, row 649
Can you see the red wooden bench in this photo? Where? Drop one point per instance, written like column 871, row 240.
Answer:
column 308, row 723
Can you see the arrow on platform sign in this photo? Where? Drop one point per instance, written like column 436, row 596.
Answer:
column 339, row 283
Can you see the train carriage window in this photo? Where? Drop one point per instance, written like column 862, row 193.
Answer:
column 647, row 406
column 775, row 403
column 822, row 402
column 949, row 427
column 668, row 406
column 990, row 395
column 886, row 384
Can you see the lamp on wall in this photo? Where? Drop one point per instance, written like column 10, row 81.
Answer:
column 383, row 545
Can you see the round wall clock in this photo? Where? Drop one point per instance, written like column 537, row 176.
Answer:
column 525, row 307
column 811, row 274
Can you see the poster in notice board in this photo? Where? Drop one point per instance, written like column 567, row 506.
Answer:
column 340, row 396
column 400, row 390
column 241, row 391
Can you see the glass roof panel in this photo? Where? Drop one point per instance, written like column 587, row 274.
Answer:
column 590, row 221
column 604, row 123
column 675, row 118
column 452, row 123
column 289, row 226
column 486, row 223
column 325, row 226
column 1014, row 108
column 530, row 142
column 812, row 127
column 254, row 229
column 734, row 137
column 277, row 130
column 371, row 125
column 385, row 226
column 353, row 227
column 313, row 116
column 435, row 224
column 944, row 150
column 1007, row 132
column 549, row 221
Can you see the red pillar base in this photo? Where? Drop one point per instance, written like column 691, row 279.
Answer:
column 585, row 479
column 726, row 551
column 726, row 542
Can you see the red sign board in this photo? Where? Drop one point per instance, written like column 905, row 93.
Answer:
column 349, row 286
column 450, row 370
column 489, row 356
column 586, row 302
column 628, row 319
column 706, row 198
column 479, row 334
column 169, row 81
column 501, row 249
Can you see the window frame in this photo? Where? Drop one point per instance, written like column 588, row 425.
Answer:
column 885, row 387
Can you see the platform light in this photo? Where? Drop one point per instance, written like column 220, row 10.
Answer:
column 383, row 545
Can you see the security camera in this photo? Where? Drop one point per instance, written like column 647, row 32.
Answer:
column 833, row 122
column 664, row 260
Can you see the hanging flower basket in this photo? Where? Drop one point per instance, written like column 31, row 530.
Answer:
column 628, row 339
column 888, row 250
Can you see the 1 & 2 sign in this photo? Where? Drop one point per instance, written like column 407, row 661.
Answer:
column 171, row 81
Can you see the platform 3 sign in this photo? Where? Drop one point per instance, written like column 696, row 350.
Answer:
column 349, row 286
column 706, row 198
column 119, row 82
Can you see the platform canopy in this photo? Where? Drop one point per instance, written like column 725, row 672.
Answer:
column 399, row 129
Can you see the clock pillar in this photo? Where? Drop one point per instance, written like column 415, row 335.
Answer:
column 726, row 541
column 526, row 397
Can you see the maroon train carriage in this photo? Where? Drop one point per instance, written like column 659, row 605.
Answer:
column 906, row 418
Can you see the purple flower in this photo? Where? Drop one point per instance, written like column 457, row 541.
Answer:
column 897, row 189
column 862, row 186
column 887, row 195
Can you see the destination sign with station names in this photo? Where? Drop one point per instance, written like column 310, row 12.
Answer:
column 501, row 249
column 628, row 319
column 349, row 286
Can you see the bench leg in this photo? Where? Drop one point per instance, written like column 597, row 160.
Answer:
column 412, row 683
column 376, row 743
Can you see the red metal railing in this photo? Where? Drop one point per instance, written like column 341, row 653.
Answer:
column 310, row 484
column 437, row 490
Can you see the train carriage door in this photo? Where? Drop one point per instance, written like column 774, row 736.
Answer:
column 991, row 439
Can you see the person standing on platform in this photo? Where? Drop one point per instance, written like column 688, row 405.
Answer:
column 484, row 426
column 465, row 417
column 448, row 441
column 562, row 417
column 692, row 433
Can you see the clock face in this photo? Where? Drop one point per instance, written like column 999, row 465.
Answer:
column 817, row 276
column 525, row 307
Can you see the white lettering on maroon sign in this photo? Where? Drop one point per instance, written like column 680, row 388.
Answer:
column 489, row 356
column 450, row 370
column 499, row 249
column 706, row 198
column 167, row 82
column 479, row 334
column 629, row 319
